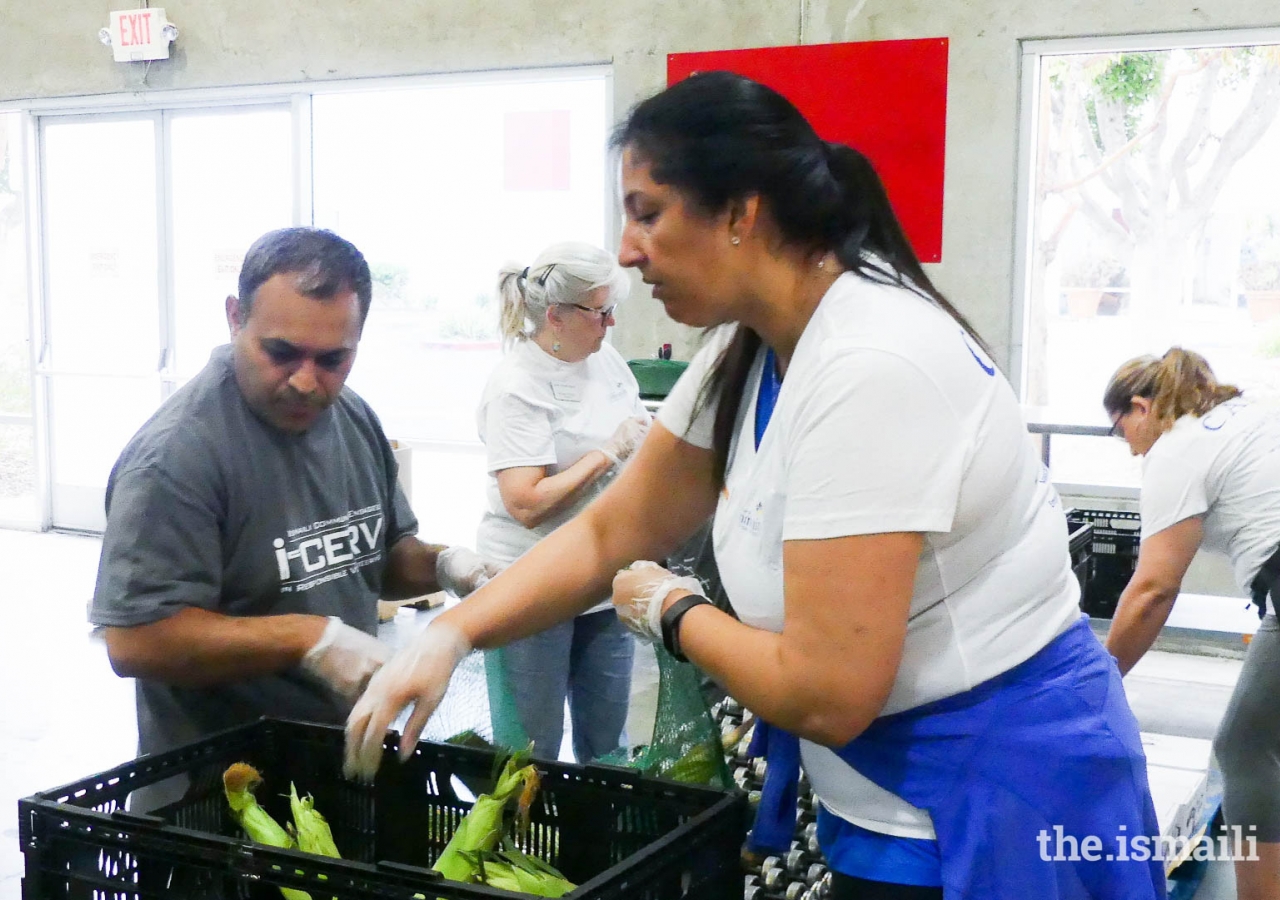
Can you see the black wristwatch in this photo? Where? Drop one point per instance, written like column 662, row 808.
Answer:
column 671, row 622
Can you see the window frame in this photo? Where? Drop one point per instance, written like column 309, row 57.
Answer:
column 1032, row 52
column 298, row 95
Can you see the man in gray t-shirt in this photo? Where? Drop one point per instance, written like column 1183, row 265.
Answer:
column 255, row 520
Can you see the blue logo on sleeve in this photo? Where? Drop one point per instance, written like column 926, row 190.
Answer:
column 987, row 366
column 1221, row 414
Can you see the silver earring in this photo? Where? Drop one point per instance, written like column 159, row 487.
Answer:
column 555, row 347
column 822, row 264
column 735, row 240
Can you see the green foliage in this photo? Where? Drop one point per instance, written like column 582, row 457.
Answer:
column 393, row 288
column 1093, row 267
column 15, row 380
column 1260, row 256
column 17, row 460
column 1269, row 342
column 1240, row 64
column 389, row 280
column 1129, row 81
column 477, row 321
column 1132, row 78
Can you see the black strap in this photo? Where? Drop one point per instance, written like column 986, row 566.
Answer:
column 671, row 622
column 1267, row 581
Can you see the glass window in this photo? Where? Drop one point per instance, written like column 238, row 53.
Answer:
column 103, row 302
column 18, row 503
column 1153, row 222
column 439, row 186
column 232, row 181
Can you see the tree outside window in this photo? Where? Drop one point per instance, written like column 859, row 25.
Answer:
column 1155, row 220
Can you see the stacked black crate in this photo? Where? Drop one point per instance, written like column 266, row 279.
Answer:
column 1113, row 546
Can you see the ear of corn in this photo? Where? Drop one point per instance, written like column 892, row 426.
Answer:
column 238, row 783
column 481, row 828
column 512, row 870
column 313, row 832
column 697, row 766
column 539, row 876
column 469, row 856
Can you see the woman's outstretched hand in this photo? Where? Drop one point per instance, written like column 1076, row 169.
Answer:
column 416, row 676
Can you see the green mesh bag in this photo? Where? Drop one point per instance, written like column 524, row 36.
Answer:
column 686, row 742
column 464, row 715
column 480, row 706
column 685, row 746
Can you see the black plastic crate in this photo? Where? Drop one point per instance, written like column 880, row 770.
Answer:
column 613, row 832
column 1080, row 543
column 1116, row 536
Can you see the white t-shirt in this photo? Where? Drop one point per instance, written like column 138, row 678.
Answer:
column 891, row 419
column 537, row 410
column 1225, row 466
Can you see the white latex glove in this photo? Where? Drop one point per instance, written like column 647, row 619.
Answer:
column 461, row 571
column 417, row 675
column 638, row 594
column 345, row 658
column 625, row 438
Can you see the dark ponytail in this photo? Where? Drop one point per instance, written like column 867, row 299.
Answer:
column 719, row 137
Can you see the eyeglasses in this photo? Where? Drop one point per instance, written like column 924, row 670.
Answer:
column 1116, row 431
column 604, row 313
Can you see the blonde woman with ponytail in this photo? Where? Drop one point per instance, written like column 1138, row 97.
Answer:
column 1211, row 476
column 558, row 418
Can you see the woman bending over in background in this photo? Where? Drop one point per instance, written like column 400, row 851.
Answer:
column 1211, row 476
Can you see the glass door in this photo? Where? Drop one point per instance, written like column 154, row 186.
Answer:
column 231, row 181
column 102, row 352
column 19, row 502
column 439, row 186
column 147, row 219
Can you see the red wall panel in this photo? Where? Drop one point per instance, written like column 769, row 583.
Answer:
column 887, row 98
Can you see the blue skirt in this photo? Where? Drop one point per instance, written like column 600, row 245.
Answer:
column 1035, row 780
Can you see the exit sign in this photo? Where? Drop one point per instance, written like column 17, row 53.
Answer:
column 139, row 34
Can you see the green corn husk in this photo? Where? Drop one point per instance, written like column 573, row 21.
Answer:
column 492, row 871
column 482, row 828
column 537, row 871
column 238, row 783
column 699, row 766
column 512, row 870
column 311, row 829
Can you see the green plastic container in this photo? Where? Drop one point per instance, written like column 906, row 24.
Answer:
column 656, row 377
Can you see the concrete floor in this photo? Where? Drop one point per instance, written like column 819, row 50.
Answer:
column 64, row 714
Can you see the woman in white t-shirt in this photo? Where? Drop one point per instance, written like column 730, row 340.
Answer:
column 1210, row 477
column 909, row 623
column 557, row 418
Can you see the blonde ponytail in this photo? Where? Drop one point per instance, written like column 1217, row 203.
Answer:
column 1179, row 383
column 513, row 309
column 1185, row 385
column 563, row 273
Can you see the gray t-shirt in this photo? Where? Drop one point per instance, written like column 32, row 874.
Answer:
column 209, row 506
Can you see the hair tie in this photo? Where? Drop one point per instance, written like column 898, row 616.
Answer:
column 525, row 274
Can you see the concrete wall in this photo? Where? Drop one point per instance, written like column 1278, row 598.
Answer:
column 50, row 48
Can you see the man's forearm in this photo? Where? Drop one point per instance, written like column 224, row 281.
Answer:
column 411, row 569
column 199, row 648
